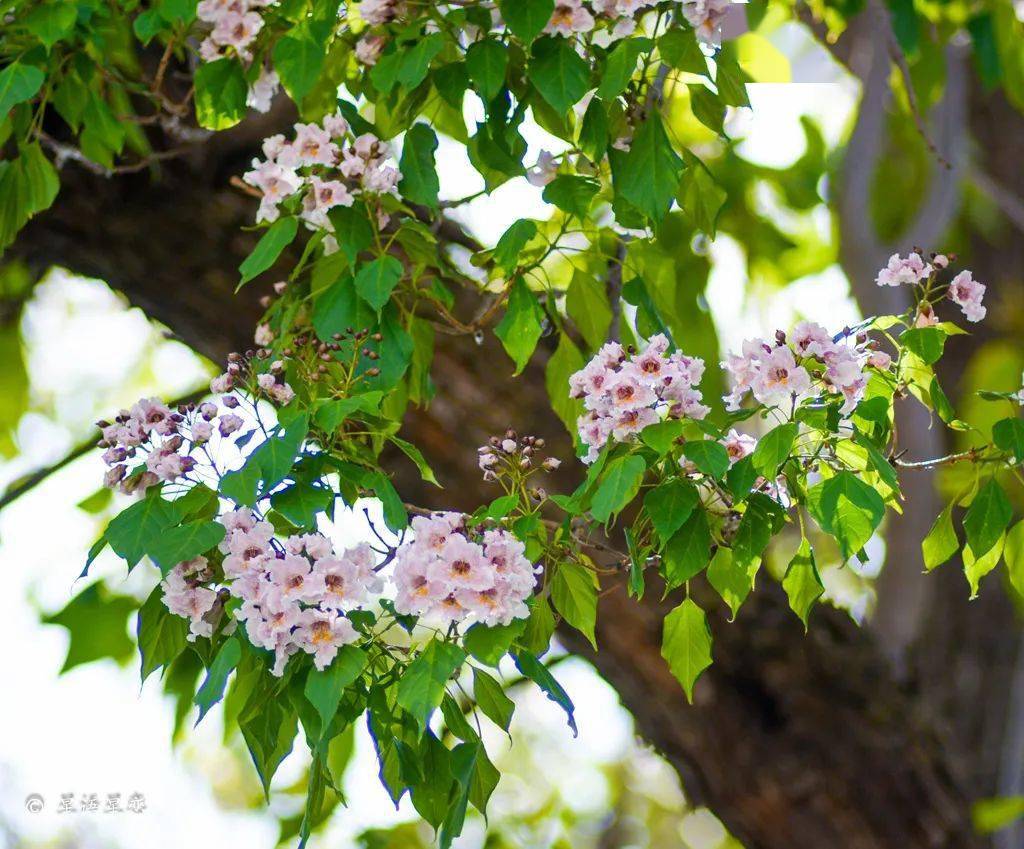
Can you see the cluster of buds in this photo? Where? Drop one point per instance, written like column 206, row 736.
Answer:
column 514, row 456
column 240, row 369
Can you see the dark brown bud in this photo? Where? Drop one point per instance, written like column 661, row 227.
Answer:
column 373, row 372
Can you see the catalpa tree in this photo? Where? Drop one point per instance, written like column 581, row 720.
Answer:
column 666, row 475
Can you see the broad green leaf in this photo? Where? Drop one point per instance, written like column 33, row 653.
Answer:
column 976, row 568
column 537, row 672
column 1013, row 553
column 221, row 92
column 301, row 502
column 700, row 196
column 268, row 724
column 572, row 194
column 352, row 229
column 926, row 342
column 280, row 234
column 486, row 62
column 521, row 327
column 134, row 529
column 995, row 814
column 1008, row 434
column 419, row 182
column 558, row 72
column 680, row 49
column 574, row 594
column 489, row 644
column 161, row 635
column 28, row 185
column 377, row 280
column 731, row 579
column 526, row 18
column 414, row 454
column 686, row 644
column 212, row 689
column 422, row 684
column 50, row 22
column 941, row 542
column 512, row 242
column 669, row 505
column 688, row 551
column 587, row 304
column 324, row 689
column 96, row 620
column 593, row 136
column 621, row 66
column 987, row 517
column 566, row 361
column 18, row 83
column 847, row 508
column 491, row 699
column 648, row 175
column 175, row 545
column 708, row 456
column 298, row 60
column 773, row 448
column 619, row 485
column 802, row 583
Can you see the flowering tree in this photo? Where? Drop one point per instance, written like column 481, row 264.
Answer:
column 686, row 473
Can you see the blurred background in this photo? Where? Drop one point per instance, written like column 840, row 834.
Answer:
column 827, row 174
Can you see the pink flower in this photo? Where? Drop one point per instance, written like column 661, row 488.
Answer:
column 294, row 578
column 967, row 293
column 229, row 423
column 237, row 30
column 276, row 182
column 335, row 125
column 907, row 271
column 570, row 16
column 369, row 48
column 461, row 565
column 544, row 171
column 202, row 431
column 706, row 16
column 261, row 93
column 312, row 146
column 780, row 379
column 321, row 632
column 380, row 178
column 378, row 11
column 811, row 340
column 879, row 360
column 738, row 445
column 323, row 196
column 263, row 336
column 153, row 416
column 222, row 383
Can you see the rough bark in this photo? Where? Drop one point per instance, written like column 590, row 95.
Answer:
column 795, row 741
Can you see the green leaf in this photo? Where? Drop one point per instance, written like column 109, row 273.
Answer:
column 648, row 175
column 279, row 235
column 559, row 73
column 492, row 700
column 377, row 280
column 324, row 689
column 422, row 684
column 686, row 644
column 486, row 62
column 162, row 636
column 51, row 22
column 416, row 60
column 212, row 689
column 593, row 137
column 587, row 304
column 489, row 644
column 414, row 454
column 566, row 361
column 688, row 550
column 731, row 579
column 995, row 814
column 847, row 508
column 574, row 594
column 521, row 327
column 512, row 242
column 395, row 516
column 669, row 505
column 619, row 485
column 680, row 49
column 700, row 196
column 28, row 185
column 537, row 672
column 18, row 83
column 707, row 108
column 976, row 568
column 802, row 583
column 662, row 436
column 298, row 60
column 731, row 80
column 927, row 342
column 1013, row 553
column 621, row 66
column 96, row 621
column 419, row 182
column 708, row 456
column 526, row 18
column 131, row 532
column 302, row 502
column 1008, row 434
column 762, row 518
column 572, row 194
column 352, row 229
column 268, row 724
column 175, row 545
column 455, row 720
column 221, row 91
column 941, row 542
column 987, row 517
column 773, row 448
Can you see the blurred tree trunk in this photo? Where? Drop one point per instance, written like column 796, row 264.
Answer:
column 794, row 740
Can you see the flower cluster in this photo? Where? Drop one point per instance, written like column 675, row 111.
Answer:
column 294, row 593
column 328, row 164
column 964, row 291
column 165, row 437
column 512, row 455
column 448, row 574
column 624, row 394
column 270, row 383
column 777, row 374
